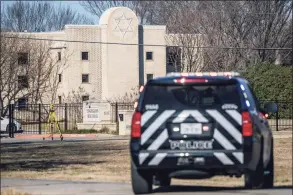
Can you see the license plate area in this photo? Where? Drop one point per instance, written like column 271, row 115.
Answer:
column 190, row 128
column 181, row 161
column 175, row 132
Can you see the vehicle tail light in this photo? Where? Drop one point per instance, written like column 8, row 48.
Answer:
column 135, row 125
column 246, row 124
column 185, row 80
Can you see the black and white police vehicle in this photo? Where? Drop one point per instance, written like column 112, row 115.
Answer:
column 198, row 125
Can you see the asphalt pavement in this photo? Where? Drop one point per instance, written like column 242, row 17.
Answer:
column 57, row 187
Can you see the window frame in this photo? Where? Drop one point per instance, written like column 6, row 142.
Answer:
column 146, row 56
column 87, row 56
column 88, row 78
column 20, row 82
column 82, row 98
column 59, row 56
column 24, row 106
column 19, row 58
column 59, row 78
column 59, row 99
column 149, row 75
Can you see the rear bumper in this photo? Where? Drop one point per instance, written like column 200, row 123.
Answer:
column 188, row 159
column 213, row 161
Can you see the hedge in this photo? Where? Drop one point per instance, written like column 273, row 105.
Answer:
column 272, row 83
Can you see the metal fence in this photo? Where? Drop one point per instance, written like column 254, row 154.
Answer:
column 283, row 118
column 33, row 117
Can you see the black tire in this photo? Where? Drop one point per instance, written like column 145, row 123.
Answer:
column 262, row 177
column 141, row 183
column 14, row 128
column 269, row 171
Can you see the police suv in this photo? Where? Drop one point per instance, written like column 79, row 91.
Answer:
column 198, row 125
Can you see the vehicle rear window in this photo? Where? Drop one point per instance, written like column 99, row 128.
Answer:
column 196, row 96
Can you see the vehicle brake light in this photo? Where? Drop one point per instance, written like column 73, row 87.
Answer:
column 184, row 80
column 246, row 124
column 263, row 116
column 135, row 125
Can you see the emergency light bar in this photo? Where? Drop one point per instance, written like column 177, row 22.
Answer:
column 232, row 74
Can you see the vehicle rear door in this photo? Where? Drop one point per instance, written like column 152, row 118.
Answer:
column 193, row 117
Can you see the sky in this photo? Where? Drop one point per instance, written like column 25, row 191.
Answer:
column 73, row 4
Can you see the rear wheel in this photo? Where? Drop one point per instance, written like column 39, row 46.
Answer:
column 269, row 171
column 141, row 181
column 262, row 177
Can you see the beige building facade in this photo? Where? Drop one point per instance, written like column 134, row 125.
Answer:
column 109, row 59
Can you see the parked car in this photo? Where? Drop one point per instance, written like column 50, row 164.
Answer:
column 16, row 126
column 199, row 125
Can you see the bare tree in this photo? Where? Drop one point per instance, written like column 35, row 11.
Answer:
column 128, row 97
column 26, row 66
column 39, row 17
column 249, row 24
column 53, row 83
column 143, row 9
column 75, row 96
column 235, row 24
column 187, row 57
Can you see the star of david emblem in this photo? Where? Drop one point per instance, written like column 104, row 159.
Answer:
column 123, row 25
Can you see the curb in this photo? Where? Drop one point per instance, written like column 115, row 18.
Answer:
column 54, row 135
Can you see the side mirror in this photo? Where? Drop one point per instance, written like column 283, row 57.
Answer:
column 270, row 107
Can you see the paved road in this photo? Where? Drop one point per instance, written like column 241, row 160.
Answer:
column 54, row 187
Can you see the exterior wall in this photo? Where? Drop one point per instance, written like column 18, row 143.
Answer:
column 76, row 66
column 154, row 35
column 121, row 73
column 113, row 69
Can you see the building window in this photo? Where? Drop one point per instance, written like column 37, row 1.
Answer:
column 84, row 55
column 60, row 99
column 22, row 82
column 149, row 76
column 149, row 55
column 59, row 56
column 22, row 102
column 85, row 98
column 85, row 78
column 59, row 78
column 22, row 58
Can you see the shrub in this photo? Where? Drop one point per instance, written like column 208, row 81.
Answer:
column 272, row 83
column 104, row 130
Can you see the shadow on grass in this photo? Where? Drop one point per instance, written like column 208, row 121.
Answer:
column 40, row 165
column 179, row 188
column 41, row 156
